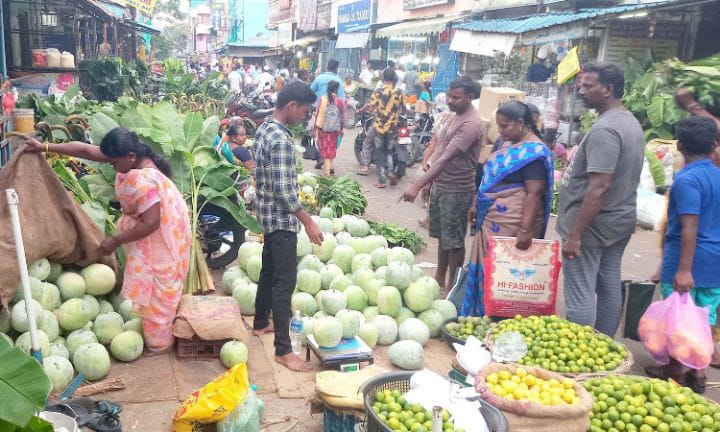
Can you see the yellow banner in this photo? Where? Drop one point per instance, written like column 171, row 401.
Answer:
column 569, row 66
column 143, row 6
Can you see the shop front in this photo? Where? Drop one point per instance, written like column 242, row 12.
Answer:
column 352, row 48
column 422, row 45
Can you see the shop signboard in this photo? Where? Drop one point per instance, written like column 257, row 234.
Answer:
column 273, row 35
column 324, row 16
column 486, row 5
column 632, row 39
column 555, row 34
column 280, row 11
column 307, row 15
column 285, row 33
column 143, row 6
column 419, row 4
column 353, row 15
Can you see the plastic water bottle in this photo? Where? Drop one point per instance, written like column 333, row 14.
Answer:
column 296, row 333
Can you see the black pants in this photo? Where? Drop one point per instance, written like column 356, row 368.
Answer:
column 275, row 287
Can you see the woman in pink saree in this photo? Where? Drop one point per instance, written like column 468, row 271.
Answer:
column 154, row 229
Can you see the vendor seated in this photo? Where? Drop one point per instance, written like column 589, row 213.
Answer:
column 234, row 150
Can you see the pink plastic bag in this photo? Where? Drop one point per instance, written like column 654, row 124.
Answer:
column 676, row 328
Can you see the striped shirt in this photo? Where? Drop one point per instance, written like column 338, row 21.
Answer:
column 276, row 178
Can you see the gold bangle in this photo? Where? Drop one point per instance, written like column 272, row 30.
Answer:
column 47, row 148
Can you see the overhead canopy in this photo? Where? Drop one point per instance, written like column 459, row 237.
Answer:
column 542, row 21
column 416, row 28
column 145, row 28
column 302, row 42
column 352, row 40
column 484, row 44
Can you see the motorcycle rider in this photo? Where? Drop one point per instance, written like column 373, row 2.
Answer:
column 387, row 104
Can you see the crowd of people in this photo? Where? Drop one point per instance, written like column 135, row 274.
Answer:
column 510, row 195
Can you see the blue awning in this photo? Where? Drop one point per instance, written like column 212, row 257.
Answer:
column 539, row 22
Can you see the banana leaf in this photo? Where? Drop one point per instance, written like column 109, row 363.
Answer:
column 23, row 385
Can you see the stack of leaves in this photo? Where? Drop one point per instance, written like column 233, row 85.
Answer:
column 343, row 195
column 702, row 78
column 199, row 172
column 398, row 236
column 652, row 96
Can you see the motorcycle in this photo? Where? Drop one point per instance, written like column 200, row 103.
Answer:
column 401, row 152
column 421, row 135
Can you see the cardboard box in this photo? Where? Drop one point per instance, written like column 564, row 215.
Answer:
column 492, row 97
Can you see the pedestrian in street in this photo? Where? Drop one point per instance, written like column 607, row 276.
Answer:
column 280, row 214
column 597, row 204
column 154, row 229
column 329, row 123
column 514, row 197
column 452, row 174
column 319, row 85
column 400, row 71
column 412, row 82
column 235, row 79
column 387, row 104
column 692, row 236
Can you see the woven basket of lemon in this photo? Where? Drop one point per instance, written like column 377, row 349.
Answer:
column 534, row 399
column 561, row 346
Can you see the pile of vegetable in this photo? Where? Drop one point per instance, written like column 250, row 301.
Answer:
column 562, row 346
column 80, row 321
column 399, row 415
column 343, row 195
column 624, row 403
column 651, row 96
column 353, row 284
column 308, row 183
column 398, row 236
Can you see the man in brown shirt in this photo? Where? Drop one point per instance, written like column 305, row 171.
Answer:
column 452, row 175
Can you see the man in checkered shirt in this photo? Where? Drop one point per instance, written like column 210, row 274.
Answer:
column 280, row 214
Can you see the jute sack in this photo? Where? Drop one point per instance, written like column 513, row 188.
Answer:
column 53, row 225
column 526, row 416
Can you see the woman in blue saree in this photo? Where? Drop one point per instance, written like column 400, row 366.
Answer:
column 514, row 197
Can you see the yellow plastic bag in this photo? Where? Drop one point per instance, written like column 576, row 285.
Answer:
column 214, row 401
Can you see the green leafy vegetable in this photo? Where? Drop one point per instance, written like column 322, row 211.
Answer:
column 398, row 236
column 344, row 195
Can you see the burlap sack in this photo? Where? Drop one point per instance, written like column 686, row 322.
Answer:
column 528, row 416
column 53, row 224
column 210, row 318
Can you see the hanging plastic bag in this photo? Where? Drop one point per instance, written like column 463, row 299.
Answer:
column 214, row 401
column 677, row 328
column 689, row 337
column 245, row 417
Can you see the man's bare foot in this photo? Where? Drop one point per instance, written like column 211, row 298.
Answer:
column 293, row 362
column 150, row 353
column 268, row 329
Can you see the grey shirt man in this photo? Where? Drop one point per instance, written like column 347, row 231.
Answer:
column 614, row 145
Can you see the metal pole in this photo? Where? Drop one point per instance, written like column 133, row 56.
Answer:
column 2, row 42
column 12, row 199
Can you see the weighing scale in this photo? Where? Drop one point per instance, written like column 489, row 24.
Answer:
column 346, row 356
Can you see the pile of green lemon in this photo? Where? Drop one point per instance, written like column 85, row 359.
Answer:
column 562, row 346
column 469, row 326
column 401, row 416
column 636, row 404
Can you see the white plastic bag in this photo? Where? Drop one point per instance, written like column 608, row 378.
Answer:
column 245, row 417
column 509, row 347
column 472, row 356
column 651, row 209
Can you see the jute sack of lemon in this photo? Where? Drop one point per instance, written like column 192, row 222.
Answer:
column 535, row 399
